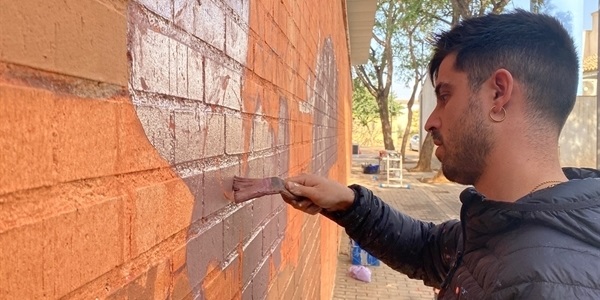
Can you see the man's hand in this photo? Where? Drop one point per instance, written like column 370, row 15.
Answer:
column 316, row 193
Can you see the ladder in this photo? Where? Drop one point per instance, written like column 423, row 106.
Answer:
column 393, row 171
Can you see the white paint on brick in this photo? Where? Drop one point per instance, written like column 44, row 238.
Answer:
column 222, row 86
column 150, row 59
column 160, row 7
column 160, row 65
column 189, row 137
column 214, row 143
column 185, row 131
column 234, row 134
column 308, row 105
column 202, row 18
column 209, row 23
column 270, row 168
column 178, row 75
column 281, row 133
column 262, row 135
column 156, row 125
column 240, row 7
column 195, row 77
column 236, row 41
column 183, row 14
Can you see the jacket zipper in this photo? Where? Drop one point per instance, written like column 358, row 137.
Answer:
column 459, row 254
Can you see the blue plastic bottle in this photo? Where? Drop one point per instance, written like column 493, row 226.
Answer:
column 372, row 260
column 356, row 251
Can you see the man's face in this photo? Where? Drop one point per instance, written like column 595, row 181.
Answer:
column 459, row 126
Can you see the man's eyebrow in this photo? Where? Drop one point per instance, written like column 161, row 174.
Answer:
column 440, row 86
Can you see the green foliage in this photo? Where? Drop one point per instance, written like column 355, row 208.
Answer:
column 364, row 106
column 377, row 74
column 400, row 48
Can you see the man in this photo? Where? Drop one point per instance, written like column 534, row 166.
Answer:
column 528, row 229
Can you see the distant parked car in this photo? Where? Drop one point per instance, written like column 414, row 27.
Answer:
column 415, row 143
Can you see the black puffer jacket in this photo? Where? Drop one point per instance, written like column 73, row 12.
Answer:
column 544, row 246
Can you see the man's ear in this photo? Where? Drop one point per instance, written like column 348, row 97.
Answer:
column 502, row 85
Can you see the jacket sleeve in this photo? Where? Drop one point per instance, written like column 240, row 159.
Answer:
column 421, row 250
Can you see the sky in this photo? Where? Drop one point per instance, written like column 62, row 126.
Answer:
column 582, row 20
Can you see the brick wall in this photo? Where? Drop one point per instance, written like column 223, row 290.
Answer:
column 122, row 124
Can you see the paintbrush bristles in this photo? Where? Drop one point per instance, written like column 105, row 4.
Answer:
column 245, row 189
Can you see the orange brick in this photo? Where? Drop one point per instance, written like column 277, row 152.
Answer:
column 77, row 41
column 82, row 245
column 26, row 138
column 268, row 5
column 181, row 286
column 253, row 93
column 22, row 263
column 160, row 210
column 135, row 151
column 223, row 284
column 178, row 259
column 53, row 257
column 86, row 144
column 270, row 69
column 282, row 16
column 259, row 59
column 152, row 284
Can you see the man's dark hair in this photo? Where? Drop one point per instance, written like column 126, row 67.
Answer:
column 534, row 48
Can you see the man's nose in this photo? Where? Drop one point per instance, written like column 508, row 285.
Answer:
column 433, row 122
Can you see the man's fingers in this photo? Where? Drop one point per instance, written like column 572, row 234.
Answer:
column 307, row 207
column 308, row 187
column 295, row 188
column 303, row 204
column 302, row 190
column 300, row 179
column 286, row 195
column 313, row 209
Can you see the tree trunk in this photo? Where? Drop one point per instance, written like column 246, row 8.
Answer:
column 409, row 106
column 370, row 129
column 386, row 126
column 406, row 132
column 437, row 178
column 413, row 94
column 425, row 154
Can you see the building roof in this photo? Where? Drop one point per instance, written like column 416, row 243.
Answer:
column 361, row 18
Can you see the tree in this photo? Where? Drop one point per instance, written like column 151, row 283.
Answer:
column 377, row 74
column 536, row 5
column 416, row 29
column 364, row 107
column 462, row 9
column 450, row 13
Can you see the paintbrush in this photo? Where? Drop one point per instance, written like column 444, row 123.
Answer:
column 245, row 189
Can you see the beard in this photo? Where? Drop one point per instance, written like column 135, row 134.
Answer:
column 468, row 146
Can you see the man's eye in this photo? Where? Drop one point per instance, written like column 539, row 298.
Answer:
column 443, row 98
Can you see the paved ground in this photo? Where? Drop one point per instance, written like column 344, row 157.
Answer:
column 429, row 202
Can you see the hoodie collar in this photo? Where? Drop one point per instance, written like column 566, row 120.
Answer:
column 483, row 217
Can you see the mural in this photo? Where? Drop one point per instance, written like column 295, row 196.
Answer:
column 324, row 95
column 176, row 115
column 124, row 125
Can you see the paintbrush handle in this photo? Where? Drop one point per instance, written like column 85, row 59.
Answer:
column 250, row 188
